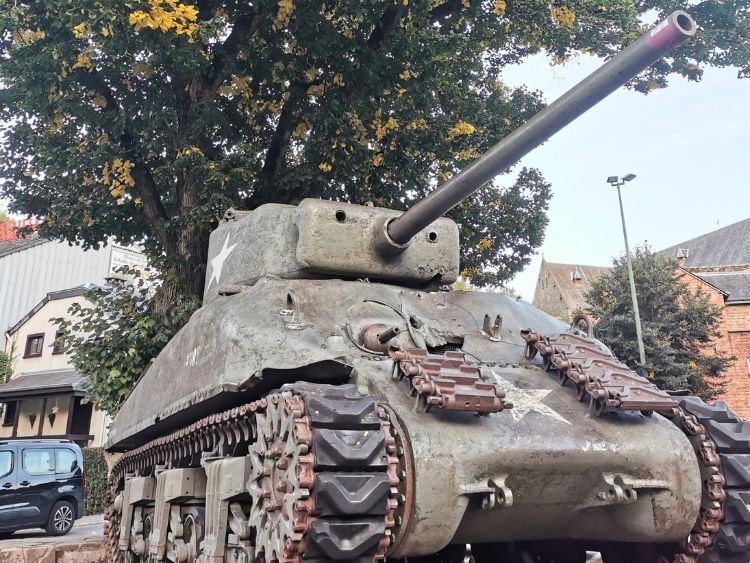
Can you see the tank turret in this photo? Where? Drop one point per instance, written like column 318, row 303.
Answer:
column 332, row 402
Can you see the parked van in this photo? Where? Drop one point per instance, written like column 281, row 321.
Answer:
column 41, row 485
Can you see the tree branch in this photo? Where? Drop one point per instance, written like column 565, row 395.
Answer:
column 445, row 10
column 245, row 26
column 380, row 39
column 152, row 207
column 279, row 143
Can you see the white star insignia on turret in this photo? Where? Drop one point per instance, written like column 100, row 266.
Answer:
column 217, row 262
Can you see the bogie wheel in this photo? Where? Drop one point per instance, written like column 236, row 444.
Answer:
column 193, row 518
column 61, row 518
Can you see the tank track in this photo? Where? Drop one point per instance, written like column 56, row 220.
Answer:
column 730, row 435
column 348, row 469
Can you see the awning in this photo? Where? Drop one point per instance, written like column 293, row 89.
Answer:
column 43, row 383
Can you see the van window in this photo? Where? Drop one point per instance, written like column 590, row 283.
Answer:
column 38, row 462
column 66, row 461
column 6, row 463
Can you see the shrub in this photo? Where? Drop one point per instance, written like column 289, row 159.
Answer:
column 96, row 479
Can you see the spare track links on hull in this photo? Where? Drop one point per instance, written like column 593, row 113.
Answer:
column 448, row 381
column 596, row 373
column 323, row 480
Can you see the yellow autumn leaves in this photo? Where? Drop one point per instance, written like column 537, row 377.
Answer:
column 286, row 7
column 117, row 177
column 166, row 15
column 563, row 16
column 460, row 128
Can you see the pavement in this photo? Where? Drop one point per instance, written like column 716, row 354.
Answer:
column 84, row 544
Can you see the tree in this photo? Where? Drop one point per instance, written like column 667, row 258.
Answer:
column 6, row 372
column 680, row 327
column 6, row 366
column 3, row 216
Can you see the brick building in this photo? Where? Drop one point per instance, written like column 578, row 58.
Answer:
column 718, row 263
column 560, row 288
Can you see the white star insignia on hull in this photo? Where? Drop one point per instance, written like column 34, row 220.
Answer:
column 526, row 400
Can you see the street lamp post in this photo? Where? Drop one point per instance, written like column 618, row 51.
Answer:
column 617, row 183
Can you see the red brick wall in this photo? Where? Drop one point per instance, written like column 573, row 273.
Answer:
column 734, row 340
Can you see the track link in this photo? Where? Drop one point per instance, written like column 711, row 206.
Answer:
column 731, row 436
column 345, row 466
column 356, row 472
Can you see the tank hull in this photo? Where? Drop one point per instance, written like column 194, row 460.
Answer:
column 542, row 470
column 552, row 457
column 249, row 343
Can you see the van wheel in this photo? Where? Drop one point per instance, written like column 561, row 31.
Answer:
column 61, row 518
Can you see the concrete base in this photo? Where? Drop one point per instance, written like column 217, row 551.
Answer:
column 84, row 544
column 81, row 553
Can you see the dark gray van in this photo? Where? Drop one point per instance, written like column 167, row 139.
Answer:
column 41, row 485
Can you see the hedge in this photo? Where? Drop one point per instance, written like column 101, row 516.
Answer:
column 96, row 479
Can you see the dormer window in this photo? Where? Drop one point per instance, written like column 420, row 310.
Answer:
column 34, row 343
column 576, row 277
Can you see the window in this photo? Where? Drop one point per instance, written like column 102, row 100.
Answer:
column 38, row 462
column 34, row 343
column 57, row 345
column 66, row 461
column 748, row 366
column 9, row 417
column 6, row 463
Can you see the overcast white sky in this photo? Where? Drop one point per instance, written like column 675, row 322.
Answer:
column 688, row 144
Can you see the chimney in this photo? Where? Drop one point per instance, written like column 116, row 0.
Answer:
column 682, row 255
column 575, row 276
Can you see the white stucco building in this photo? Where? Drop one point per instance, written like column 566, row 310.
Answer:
column 44, row 398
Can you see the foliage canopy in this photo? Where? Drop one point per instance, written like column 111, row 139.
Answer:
column 680, row 327
column 6, row 367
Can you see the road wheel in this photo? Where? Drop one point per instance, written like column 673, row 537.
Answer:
column 61, row 518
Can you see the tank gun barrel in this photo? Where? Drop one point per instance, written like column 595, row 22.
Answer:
column 638, row 56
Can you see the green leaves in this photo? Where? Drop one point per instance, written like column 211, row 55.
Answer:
column 678, row 324
column 6, row 367
column 114, row 336
column 275, row 103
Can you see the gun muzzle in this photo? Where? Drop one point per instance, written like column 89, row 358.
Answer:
column 638, row 56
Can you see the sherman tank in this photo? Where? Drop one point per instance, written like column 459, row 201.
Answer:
column 334, row 400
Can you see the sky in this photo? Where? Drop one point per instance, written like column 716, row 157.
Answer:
column 688, row 145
